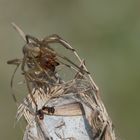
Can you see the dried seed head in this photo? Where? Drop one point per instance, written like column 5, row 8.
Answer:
column 51, row 101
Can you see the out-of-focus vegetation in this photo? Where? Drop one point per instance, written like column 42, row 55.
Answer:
column 105, row 32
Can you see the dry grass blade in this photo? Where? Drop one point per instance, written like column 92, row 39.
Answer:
column 21, row 33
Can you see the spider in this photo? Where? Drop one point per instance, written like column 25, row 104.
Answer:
column 40, row 61
column 47, row 53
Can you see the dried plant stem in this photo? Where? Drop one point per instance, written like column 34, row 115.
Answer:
column 50, row 98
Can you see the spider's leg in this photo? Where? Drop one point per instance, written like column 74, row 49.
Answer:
column 37, row 81
column 80, row 74
column 71, row 62
column 23, row 64
column 29, row 37
column 27, row 78
column 11, row 84
column 16, row 62
column 57, row 39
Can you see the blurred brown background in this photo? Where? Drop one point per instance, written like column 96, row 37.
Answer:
column 105, row 32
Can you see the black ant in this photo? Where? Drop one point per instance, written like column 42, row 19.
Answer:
column 45, row 110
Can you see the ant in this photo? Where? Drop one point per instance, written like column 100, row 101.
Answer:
column 45, row 110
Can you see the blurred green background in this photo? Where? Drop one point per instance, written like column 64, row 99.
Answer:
column 105, row 32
